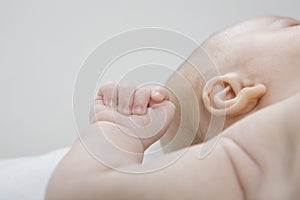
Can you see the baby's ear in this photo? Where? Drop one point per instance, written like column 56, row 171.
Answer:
column 230, row 95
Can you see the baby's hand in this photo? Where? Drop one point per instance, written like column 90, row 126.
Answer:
column 141, row 112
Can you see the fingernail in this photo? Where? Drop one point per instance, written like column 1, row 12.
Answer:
column 158, row 95
column 139, row 109
column 107, row 102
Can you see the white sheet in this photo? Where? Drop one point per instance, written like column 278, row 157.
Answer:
column 26, row 178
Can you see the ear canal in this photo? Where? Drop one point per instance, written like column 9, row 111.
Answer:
column 220, row 98
column 226, row 95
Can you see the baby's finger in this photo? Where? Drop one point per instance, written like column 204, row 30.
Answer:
column 95, row 109
column 159, row 94
column 125, row 97
column 141, row 100
column 109, row 93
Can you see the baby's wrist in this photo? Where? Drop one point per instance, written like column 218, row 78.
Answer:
column 108, row 144
column 121, row 137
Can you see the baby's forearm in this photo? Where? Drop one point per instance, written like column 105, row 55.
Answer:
column 99, row 149
column 111, row 144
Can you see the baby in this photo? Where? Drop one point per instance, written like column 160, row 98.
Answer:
column 257, row 156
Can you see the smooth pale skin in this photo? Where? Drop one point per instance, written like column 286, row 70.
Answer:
column 256, row 158
column 258, row 61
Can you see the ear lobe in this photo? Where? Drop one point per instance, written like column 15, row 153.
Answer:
column 228, row 95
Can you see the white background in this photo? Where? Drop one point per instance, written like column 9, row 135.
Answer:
column 43, row 43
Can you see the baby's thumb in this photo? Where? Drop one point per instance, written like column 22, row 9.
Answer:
column 161, row 116
column 159, row 95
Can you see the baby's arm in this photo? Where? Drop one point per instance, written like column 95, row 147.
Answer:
column 125, row 120
column 254, row 159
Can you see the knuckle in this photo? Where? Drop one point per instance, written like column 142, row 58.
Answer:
column 106, row 84
column 161, row 89
column 110, row 85
column 143, row 91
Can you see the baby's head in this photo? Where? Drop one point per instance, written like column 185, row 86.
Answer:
column 259, row 65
